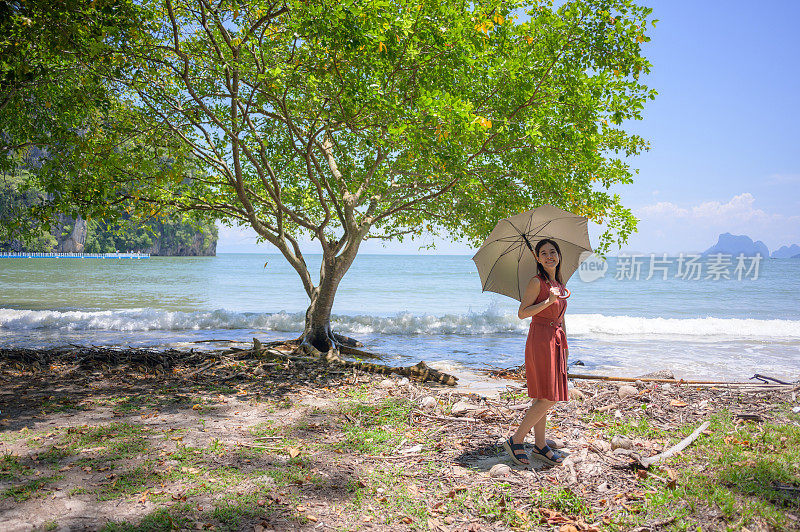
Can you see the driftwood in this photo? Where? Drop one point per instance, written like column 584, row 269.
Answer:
column 419, row 371
column 358, row 352
column 684, row 443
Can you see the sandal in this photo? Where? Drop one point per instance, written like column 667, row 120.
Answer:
column 555, row 458
column 517, row 452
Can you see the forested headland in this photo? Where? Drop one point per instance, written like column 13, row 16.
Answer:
column 72, row 233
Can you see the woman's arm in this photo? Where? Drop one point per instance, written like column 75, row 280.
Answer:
column 527, row 308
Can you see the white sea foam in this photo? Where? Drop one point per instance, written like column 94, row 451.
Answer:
column 593, row 325
column 490, row 322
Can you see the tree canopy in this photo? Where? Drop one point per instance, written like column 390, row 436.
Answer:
column 346, row 120
column 55, row 61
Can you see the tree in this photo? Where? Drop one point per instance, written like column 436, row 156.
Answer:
column 55, row 58
column 346, row 120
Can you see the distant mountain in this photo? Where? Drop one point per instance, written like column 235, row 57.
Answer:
column 787, row 252
column 729, row 244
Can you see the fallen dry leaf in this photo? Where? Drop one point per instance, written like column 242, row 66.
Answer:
column 294, row 452
column 676, row 402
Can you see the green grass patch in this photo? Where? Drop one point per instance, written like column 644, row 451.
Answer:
column 563, row 500
column 231, row 511
column 744, row 466
column 109, row 443
column 126, row 403
column 34, row 488
column 391, row 498
column 377, row 427
column 55, row 454
column 131, row 482
column 499, row 508
column 53, row 406
column 264, row 429
column 361, row 393
column 163, row 519
column 640, row 428
column 11, row 468
column 296, row 471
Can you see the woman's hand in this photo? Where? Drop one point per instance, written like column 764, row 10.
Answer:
column 553, row 297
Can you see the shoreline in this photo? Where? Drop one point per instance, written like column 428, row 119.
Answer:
column 474, row 378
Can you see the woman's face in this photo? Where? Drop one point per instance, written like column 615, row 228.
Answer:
column 548, row 256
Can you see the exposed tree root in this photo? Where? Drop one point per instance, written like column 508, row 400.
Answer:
column 304, row 351
column 346, row 341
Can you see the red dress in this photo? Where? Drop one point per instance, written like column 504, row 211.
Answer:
column 545, row 350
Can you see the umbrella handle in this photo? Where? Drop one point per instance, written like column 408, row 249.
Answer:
column 568, row 293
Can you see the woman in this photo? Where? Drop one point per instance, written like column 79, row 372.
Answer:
column 545, row 353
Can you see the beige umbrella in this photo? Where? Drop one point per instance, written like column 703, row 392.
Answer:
column 505, row 262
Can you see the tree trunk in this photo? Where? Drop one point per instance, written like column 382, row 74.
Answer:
column 317, row 332
column 317, row 335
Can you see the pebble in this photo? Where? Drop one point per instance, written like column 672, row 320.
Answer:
column 499, row 470
column 621, row 442
column 660, row 374
column 639, row 384
column 428, row 402
column 602, row 488
column 387, row 384
column 796, row 410
column 555, row 443
column 576, row 395
column 461, row 407
column 626, row 391
column 403, row 382
column 667, row 387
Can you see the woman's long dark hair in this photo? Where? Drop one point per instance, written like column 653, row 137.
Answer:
column 539, row 268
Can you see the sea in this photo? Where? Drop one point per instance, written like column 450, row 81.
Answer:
column 703, row 318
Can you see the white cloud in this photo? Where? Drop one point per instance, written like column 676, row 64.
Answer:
column 737, row 209
column 673, row 227
column 662, row 208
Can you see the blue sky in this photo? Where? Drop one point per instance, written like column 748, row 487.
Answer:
column 724, row 133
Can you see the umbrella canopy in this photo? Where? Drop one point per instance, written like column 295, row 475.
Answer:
column 505, row 262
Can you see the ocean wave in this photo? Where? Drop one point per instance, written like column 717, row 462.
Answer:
column 594, row 325
column 490, row 322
